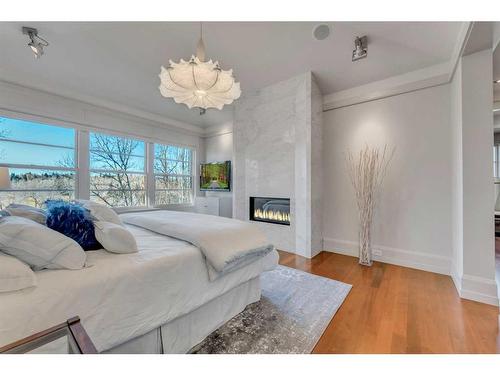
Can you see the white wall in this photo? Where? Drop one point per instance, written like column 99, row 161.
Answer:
column 477, row 91
column 457, row 173
column 316, row 170
column 413, row 222
column 496, row 34
column 219, row 147
column 475, row 278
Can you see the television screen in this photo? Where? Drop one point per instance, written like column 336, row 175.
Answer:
column 215, row 176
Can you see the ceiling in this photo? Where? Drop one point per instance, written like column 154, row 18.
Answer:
column 119, row 62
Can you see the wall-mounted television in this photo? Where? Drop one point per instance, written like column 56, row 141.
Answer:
column 215, row 176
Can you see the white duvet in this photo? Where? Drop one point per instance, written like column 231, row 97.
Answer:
column 122, row 296
column 227, row 244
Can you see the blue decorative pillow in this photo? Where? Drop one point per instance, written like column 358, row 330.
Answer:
column 74, row 221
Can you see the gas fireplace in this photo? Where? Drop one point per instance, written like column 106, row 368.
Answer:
column 270, row 210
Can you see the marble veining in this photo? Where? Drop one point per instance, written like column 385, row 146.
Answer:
column 276, row 130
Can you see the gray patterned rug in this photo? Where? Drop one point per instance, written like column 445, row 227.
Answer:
column 291, row 316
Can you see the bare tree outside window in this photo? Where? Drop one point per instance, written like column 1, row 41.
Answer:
column 117, row 170
column 173, row 174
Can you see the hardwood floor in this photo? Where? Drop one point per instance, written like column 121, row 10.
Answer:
column 393, row 309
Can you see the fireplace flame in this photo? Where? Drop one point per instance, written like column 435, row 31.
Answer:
column 272, row 215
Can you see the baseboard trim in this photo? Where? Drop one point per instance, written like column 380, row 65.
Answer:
column 400, row 257
column 476, row 288
column 456, row 278
column 479, row 297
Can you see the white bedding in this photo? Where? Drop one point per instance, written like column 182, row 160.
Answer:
column 227, row 244
column 122, row 296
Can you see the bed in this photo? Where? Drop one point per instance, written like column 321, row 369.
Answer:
column 158, row 300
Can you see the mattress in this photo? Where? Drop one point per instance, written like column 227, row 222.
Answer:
column 122, row 296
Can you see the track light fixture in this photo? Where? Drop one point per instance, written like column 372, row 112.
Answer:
column 37, row 43
column 360, row 48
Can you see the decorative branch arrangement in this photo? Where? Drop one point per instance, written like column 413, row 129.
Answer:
column 367, row 171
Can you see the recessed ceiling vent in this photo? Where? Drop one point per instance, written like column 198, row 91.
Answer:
column 321, row 32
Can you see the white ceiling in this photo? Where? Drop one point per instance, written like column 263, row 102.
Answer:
column 119, row 61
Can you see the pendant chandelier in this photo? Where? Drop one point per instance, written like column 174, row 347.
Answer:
column 198, row 83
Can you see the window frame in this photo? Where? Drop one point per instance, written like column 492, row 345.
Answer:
column 82, row 168
column 91, row 170
column 74, row 170
column 192, row 175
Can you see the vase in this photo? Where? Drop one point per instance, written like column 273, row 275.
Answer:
column 365, row 245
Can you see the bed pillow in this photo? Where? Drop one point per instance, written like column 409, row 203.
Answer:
column 14, row 274
column 36, row 214
column 101, row 212
column 39, row 246
column 115, row 238
column 74, row 221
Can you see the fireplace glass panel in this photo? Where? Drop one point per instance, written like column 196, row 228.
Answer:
column 270, row 210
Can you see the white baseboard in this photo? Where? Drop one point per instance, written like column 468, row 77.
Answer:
column 400, row 257
column 476, row 288
column 456, row 278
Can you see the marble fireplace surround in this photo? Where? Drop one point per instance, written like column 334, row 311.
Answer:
column 277, row 153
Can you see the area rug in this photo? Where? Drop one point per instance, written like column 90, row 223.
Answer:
column 295, row 309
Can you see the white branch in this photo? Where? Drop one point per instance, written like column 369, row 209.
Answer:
column 367, row 171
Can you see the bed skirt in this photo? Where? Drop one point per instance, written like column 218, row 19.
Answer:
column 183, row 333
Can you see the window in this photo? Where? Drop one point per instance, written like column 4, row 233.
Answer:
column 41, row 162
column 121, row 171
column 173, row 174
column 117, row 170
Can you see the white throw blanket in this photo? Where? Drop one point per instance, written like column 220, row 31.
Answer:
column 227, row 244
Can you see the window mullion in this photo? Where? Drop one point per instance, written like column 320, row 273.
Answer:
column 194, row 174
column 83, row 173
column 150, row 176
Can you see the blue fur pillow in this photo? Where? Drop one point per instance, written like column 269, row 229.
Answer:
column 74, row 221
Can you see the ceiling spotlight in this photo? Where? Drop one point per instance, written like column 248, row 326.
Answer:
column 360, row 48
column 37, row 43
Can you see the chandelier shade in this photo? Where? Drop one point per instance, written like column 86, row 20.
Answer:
column 199, row 84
